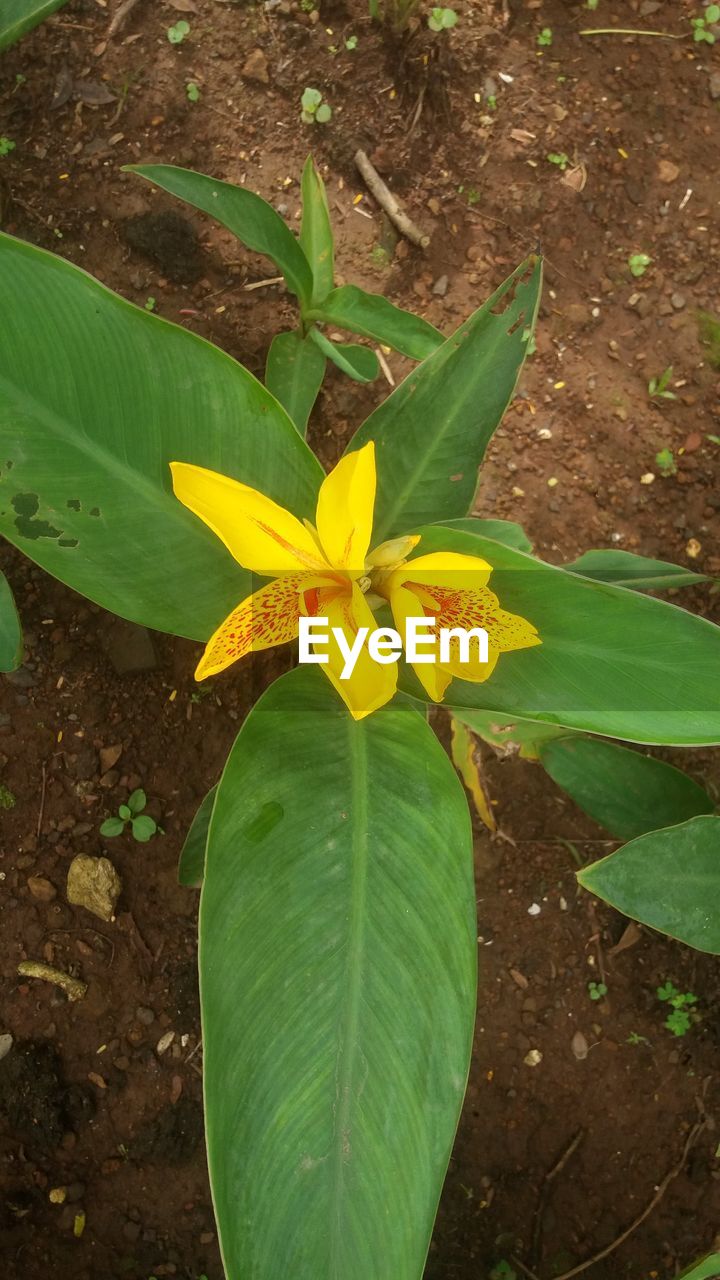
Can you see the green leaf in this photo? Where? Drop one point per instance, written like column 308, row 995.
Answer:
column 11, row 642
column 112, row 827
column 191, row 867
column 359, row 363
column 509, row 736
column 625, row 569
column 143, row 828
column 372, row 316
column 294, row 372
column 316, row 237
column 708, row 1269
column 248, row 216
column 337, row 970
column 432, row 432
column 667, row 879
column 311, row 99
column 505, row 531
column 137, row 801
column 19, row 16
column 97, row 397
column 611, row 661
column 625, row 791
column 125, row 812
column 323, row 113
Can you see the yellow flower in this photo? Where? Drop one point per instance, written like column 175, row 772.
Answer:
column 325, row 570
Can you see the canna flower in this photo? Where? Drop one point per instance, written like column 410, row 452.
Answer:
column 327, row 570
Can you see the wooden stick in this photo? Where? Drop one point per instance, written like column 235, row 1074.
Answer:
column 387, row 201
column 121, row 16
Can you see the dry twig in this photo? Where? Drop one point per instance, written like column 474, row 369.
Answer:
column 387, row 201
column 120, row 17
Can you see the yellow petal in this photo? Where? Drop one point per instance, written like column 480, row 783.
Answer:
column 261, row 535
column 468, row 610
column 264, row 619
column 432, row 678
column 345, row 511
column 371, row 684
column 447, row 569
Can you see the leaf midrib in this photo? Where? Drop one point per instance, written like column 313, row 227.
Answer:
column 348, row 1029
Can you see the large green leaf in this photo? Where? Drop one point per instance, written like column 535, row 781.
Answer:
column 509, row 735
column 359, row 363
column 432, row 432
column 668, row 879
column 708, row 1269
column 97, row 397
column 10, row 632
column 372, row 316
column 625, row 791
column 505, row 531
column 19, row 16
column 248, row 216
column 294, row 372
column 625, row 569
column 191, row 864
column 316, row 235
column 337, row 974
column 612, row 661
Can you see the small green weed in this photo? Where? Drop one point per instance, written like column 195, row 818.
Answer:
column 151, row 304
column 6, row 146
column 192, row 91
column 658, row 387
column 351, row 43
column 700, row 26
column 545, row 37
column 639, row 263
column 559, row 158
column 442, row 19
column 635, row 1038
column 503, row 1271
column 143, row 827
column 682, row 1014
column 179, row 32
column 665, row 463
column 314, row 110
column 597, row 990
column 7, row 799
column 709, row 333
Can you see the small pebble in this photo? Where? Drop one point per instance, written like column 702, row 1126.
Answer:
column 535, row 909
column 533, row 1058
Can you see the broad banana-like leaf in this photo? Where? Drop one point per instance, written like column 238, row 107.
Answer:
column 507, row 735
column 10, row 632
column 247, row 215
column 612, row 661
column 191, row 864
column 316, row 235
column 294, row 372
column 97, row 397
column 337, row 975
column 667, row 879
column 372, row 316
column 432, row 431
column 359, row 363
column 625, row 569
column 708, row 1269
column 505, row 531
column 19, row 16
column 623, row 790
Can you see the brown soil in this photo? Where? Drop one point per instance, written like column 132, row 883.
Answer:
column 86, row 1101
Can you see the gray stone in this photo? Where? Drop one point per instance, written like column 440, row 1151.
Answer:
column 130, row 648
column 440, row 286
